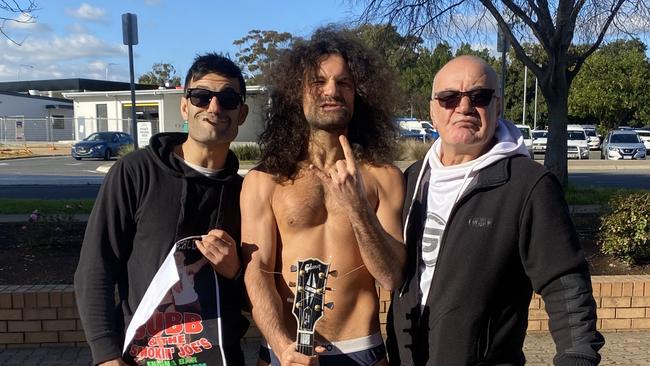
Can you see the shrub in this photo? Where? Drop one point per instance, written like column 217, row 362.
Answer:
column 126, row 149
column 625, row 230
column 412, row 149
column 244, row 152
column 45, row 230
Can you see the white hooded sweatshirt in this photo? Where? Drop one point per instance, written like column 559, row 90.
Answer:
column 447, row 184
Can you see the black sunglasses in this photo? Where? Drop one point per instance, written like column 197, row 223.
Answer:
column 228, row 98
column 451, row 98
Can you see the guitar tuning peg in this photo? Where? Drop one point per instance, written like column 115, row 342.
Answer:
column 317, row 308
column 334, row 273
column 329, row 289
column 292, row 284
column 290, row 300
column 321, row 275
column 330, row 305
column 293, row 268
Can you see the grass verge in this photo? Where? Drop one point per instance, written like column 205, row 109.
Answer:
column 45, row 207
column 594, row 195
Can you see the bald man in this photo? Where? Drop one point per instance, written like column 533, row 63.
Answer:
column 485, row 226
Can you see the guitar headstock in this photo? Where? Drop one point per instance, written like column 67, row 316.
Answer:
column 308, row 304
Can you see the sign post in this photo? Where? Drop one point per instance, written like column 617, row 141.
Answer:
column 130, row 38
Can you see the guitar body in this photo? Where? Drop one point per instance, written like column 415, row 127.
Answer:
column 308, row 304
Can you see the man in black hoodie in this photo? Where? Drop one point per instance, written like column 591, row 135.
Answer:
column 180, row 185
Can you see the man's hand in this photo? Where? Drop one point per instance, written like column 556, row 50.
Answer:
column 221, row 250
column 344, row 180
column 114, row 362
column 290, row 356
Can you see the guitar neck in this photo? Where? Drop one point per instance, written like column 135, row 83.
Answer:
column 305, row 343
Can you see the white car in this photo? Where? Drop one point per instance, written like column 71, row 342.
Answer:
column 645, row 137
column 577, row 145
column 539, row 140
column 593, row 139
column 528, row 140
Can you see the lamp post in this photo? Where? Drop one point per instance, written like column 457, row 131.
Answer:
column 108, row 65
column 21, row 67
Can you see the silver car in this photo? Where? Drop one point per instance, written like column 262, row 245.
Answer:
column 622, row 144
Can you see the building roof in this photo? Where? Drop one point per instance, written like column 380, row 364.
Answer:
column 70, row 85
column 250, row 90
column 22, row 95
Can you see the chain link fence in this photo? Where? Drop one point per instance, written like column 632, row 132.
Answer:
column 19, row 131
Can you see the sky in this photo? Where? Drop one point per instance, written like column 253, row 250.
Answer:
column 83, row 39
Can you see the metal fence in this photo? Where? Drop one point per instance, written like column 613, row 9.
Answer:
column 29, row 131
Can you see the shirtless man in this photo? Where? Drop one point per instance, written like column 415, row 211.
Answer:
column 314, row 195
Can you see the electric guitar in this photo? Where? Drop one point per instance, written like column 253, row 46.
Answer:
column 309, row 300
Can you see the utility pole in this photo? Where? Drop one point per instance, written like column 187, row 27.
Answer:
column 130, row 37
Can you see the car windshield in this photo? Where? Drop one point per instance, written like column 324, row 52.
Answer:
column 98, row 137
column 525, row 132
column 539, row 134
column 624, row 138
column 590, row 133
column 577, row 135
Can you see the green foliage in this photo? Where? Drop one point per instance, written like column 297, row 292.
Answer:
column 260, row 50
column 625, row 231
column 593, row 195
column 246, row 152
column 160, row 74
column 408, row 150
column 12, row 206
column 612, row 86
column 125, row 149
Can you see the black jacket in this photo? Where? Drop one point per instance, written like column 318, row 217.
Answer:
column 510, row 233
column 148, row 200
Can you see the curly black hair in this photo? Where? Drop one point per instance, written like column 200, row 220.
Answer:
column 371, row 132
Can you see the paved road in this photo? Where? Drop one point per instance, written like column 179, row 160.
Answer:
column 625, row 348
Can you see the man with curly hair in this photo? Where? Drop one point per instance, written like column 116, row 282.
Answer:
column 325, row 189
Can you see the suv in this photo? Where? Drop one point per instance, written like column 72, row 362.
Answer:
column 577, row 145
column 644, row 135
column 622, row 144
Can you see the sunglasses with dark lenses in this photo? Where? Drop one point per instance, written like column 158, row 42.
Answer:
column 228, row 98
column 451, row 98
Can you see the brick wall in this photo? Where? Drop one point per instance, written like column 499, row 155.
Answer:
column 39, row 315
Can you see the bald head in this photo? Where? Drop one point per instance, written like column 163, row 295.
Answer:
column 465, row 67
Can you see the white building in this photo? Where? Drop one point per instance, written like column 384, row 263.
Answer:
column 29, row 118
column 156, row 111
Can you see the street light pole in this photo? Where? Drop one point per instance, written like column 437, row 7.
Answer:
column 21, row 67
column 107, row 67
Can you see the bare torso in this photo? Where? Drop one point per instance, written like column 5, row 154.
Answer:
column 311, row 225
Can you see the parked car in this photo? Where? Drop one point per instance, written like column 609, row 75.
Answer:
column 101, row 145
column 423, row 135
column 622, row 144
column 593, row 139
column 539, row 140
column 577, row 143
column 644, row 135
column 528, row 139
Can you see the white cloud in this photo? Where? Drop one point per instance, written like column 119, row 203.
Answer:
column 74, row 55
column 88, row 12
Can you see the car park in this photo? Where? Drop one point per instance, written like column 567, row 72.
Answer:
column 577, row 143
column 528, row 139
column 104, row 145
column 644, row 135
column 539, row 140
column 623, row 144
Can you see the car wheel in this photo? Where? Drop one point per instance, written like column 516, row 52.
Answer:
column 76, row 158
column 107, row 154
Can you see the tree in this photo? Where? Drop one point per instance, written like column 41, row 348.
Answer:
column 161, row 74
column 260, row 49
column 553, row 25
column 612, row 87
column 8, row 11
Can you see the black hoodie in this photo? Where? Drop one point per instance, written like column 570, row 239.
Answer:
column 148, row 200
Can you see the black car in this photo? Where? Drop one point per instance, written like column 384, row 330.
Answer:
column 101, row 145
